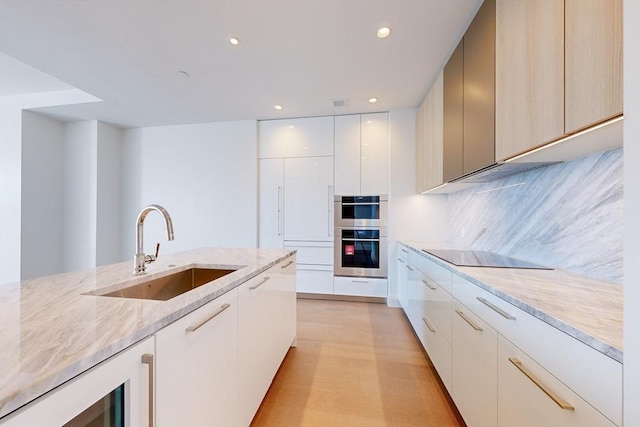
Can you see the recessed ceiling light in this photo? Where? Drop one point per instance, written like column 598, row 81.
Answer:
column 369, row 122
column 373, row 100
column 278, row 107
column 291, row 126
column 384, row 32
column 234, row 41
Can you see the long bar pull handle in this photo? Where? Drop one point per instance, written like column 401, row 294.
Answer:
column 429, row 285
column 330, row 203
column 147, row 359
column 410, row 269
column 251, row 288
column 197, row 326
column 405, row 251
column 287, row 264
column 558, row 400
column 469, row 321
column 497, row 309
column 401, row 260
column 429, row 325
column 280, row 211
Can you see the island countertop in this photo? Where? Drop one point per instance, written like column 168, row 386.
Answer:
column 587, row 309
column 51, row 331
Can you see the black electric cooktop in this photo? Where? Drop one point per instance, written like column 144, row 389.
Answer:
column 481, row 259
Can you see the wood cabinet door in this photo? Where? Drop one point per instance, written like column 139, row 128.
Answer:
column 529, row 75
column 479, row 90
column 271, row 203
column 308, row 199
column 347, row 155
column 474, row 382
column 453, row 111
column 197, row 367
column 593, row 62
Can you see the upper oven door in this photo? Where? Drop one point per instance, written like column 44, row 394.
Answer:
column 360, row 211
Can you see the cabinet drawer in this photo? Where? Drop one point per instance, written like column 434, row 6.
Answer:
column 437, row 347
column 433, row 271
column 360, row 286
column 303, row 137
column 436, row 304
column 403, row 252
column 322, row 255
column 314, row 279
column 530, row 396
column 565, row 357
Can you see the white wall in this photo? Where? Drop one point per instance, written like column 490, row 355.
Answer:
column 205, row 175
column 109, row 209
column 42, row 195
column 412, row 217
column 632, row 213
column 80, row 193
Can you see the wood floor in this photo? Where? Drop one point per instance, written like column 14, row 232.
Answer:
column 356, row 364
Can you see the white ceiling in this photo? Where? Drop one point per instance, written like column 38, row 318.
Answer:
column 298, row 53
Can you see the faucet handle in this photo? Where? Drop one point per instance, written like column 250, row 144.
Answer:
column 157, row 250
column 150, row 258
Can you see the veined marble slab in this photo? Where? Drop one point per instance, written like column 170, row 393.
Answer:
column 51, row 332
column 567, row 215
column 586, row 309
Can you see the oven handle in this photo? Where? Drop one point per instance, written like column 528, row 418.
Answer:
column 360, row 204
column 360, row 240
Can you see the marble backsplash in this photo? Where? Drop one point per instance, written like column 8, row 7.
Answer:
column 567, row 215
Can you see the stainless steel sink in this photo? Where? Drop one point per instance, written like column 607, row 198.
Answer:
column 167, row 287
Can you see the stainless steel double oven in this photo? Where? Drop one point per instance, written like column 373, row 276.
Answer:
column 360, row 236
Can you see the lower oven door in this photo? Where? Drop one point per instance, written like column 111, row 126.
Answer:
column 360, row 253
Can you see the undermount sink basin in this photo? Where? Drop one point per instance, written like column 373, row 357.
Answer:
column 167, row 287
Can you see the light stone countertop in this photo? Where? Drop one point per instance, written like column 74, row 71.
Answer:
column 51, row 332
column 587, row 309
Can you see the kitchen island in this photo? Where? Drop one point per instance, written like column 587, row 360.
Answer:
column 51, row 330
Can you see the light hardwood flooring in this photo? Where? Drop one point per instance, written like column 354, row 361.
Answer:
column 355, row 364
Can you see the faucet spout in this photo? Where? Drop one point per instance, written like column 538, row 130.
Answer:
column 140, row 259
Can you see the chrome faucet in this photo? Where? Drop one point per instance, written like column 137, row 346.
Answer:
column 141, row 260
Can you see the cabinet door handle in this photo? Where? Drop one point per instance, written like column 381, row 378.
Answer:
column 147, row 359
column 280, row 211
column 400, row 259
column 195, row 327
column 287, row 264
column 558, row 400
column 405, row 251
column 329, row 204
column 251, row 288
column 497, row 309
column 469, row 321
column 429, row 326
column 429, row 285
column 410, row 269
column 359, row 281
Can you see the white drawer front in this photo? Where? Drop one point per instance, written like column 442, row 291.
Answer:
column 437, row 347
column 436, row 304
column 321, row 255
column 530, row 396
column 314, row 281
column 360, row 286
column 592, row 375
column 433, row 271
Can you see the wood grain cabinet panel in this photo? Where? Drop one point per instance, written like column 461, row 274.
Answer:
column 529, row 75
column 593, row 62
column 453, row 100
column 479, row 90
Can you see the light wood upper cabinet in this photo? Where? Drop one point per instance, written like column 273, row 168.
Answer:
column 529, row 74
column 429, row 139
column 593, row 62
column 479, row 90
column 453, row 114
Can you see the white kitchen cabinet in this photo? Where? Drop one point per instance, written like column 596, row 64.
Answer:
column 403, row 278
column 271, row 204
column 530, row 396
column 360, row 286
column 308, row 199
column 362, row 154
column 315, row 266
column 310, row 136
column 474, row 376
column 197, row 366
column 266, row 330
column 80, row 399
